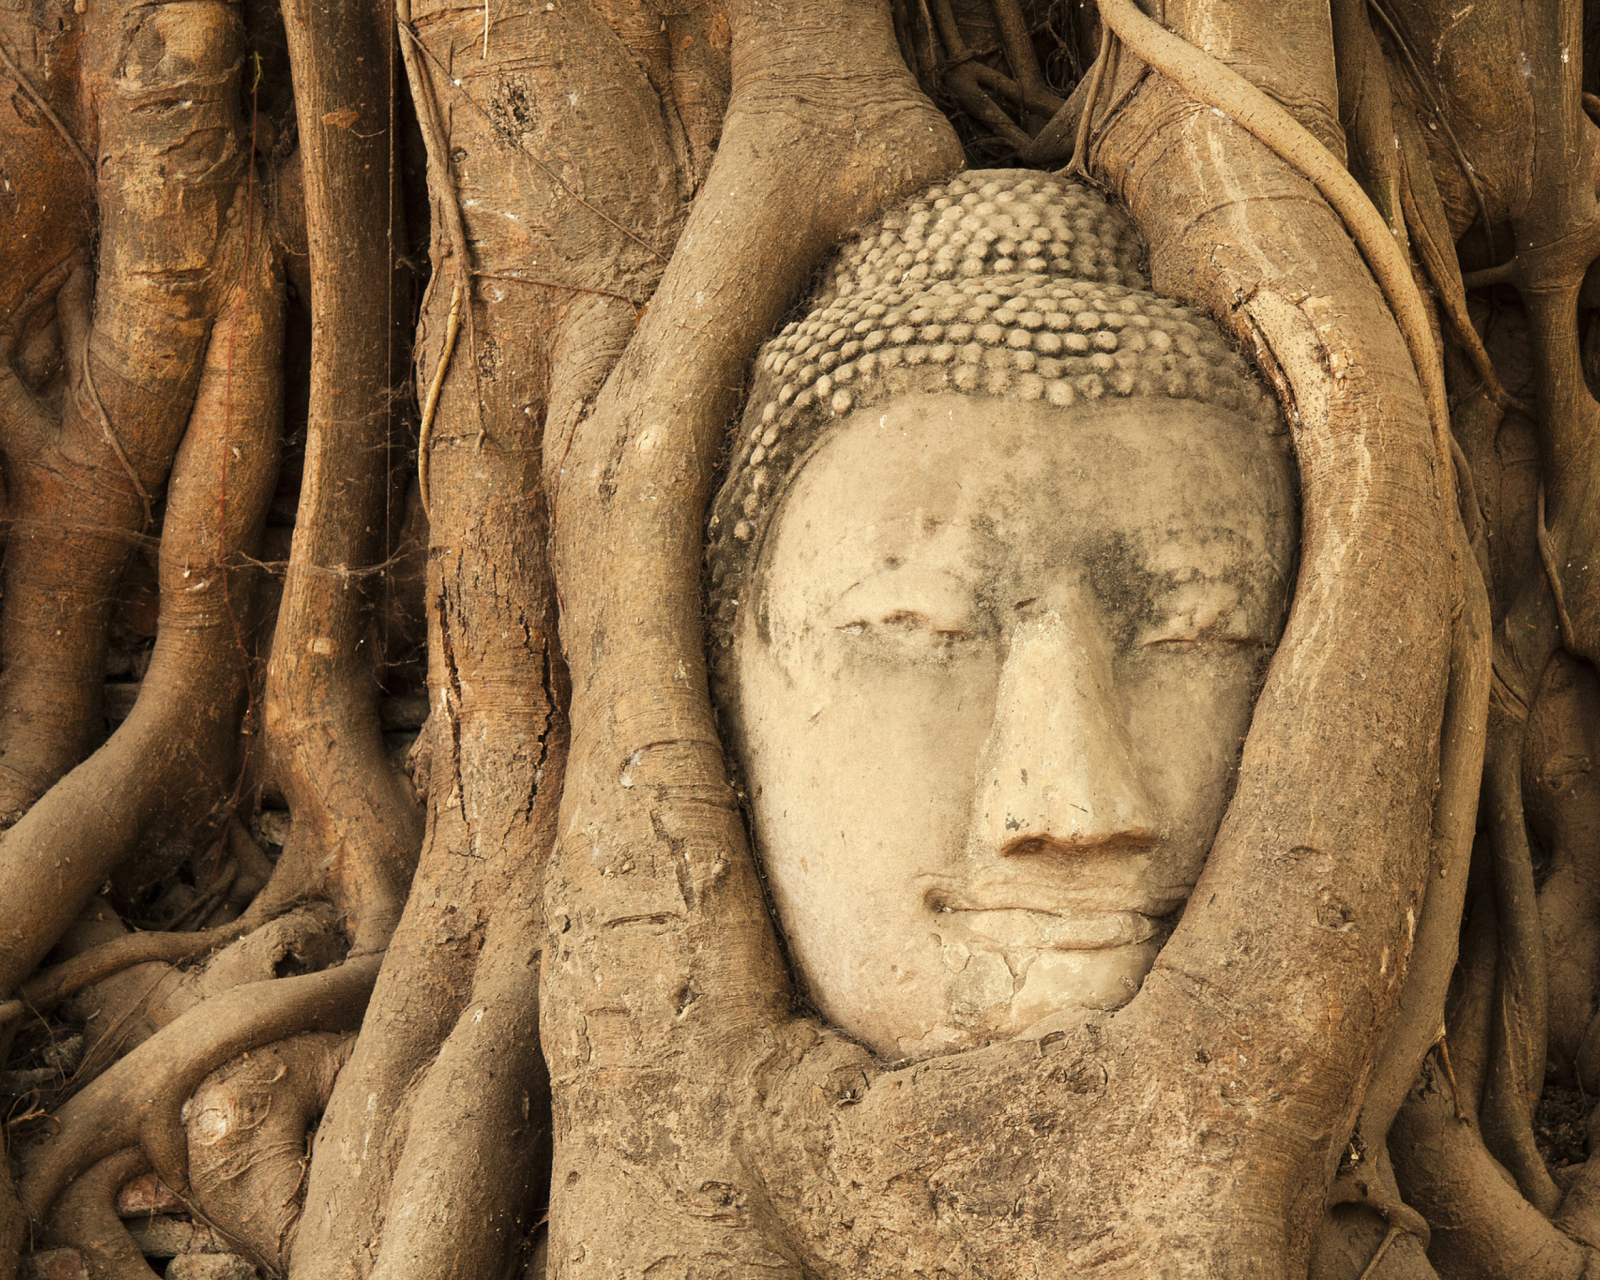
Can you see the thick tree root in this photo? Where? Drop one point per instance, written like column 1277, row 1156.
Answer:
column 1482, row 1226
column 1430, row 234
column 248, row 1127
column 44, row 992
column 99, row 963
column 1218, row 86
column 351, row 808
column 1515, row 1069
column 1371, row 1180
column 1561, row 794
column 1517, row 1066
column 85, row 1219
column 171, row 764
column 140, row 1099
column 53, row 218
column 130, row 1007
column 448, row 1106
column 475, row 1163
column 168, row 179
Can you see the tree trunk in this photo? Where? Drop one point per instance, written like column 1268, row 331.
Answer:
column 378, row 886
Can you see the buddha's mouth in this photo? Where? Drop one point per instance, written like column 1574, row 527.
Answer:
column 1035, row 917
column 1023, row 929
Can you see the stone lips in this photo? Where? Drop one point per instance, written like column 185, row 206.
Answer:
column 1003, row 282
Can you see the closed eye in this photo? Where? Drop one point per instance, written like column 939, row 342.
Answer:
column 1201, row 613
column 904, row 622
column 1203, row 638
column 910, row 605
column 1232, row 630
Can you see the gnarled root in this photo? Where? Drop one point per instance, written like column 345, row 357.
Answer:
column 1562, row 796
column 1348, row 1230
column 1515, row 1070
column 171, row 763
column 1482, row 1226
column 140, row 1099
column 109, row 953
column 86, row 1219
column 81, row 481
column 1349, row 1240
column 128, row 1008
column 477, row 1148
column 247, row 1126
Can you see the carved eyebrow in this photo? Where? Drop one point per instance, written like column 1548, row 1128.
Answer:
column 1225, row 629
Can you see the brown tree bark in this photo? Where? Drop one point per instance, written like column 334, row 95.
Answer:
column 577, row 1049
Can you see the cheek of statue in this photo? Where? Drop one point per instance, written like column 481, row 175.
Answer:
column 991, row 698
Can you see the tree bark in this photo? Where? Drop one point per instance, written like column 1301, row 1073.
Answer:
column 553, row 949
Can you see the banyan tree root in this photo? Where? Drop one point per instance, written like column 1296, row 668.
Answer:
column 1482, row 1226
column 129, row 1007
column 170, row 767
column 1556, row 237
column 113, row 951
column 1213, row 83
column 1561, row 793
column 86, row 1219
column 140, row 1099
column 437, row 1128
column 51, row 217
column 173, row 160
column 474, row 1168
column 351, row 807
column 1499, row 1023
column 248, row 1127
column 1516, row 1069
column 1366, row 1177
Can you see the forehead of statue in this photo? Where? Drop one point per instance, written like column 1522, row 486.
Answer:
column 963, row 494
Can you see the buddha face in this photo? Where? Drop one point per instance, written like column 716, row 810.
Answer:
column 990, row 687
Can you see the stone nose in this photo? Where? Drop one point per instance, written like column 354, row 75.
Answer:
column 1057, row 773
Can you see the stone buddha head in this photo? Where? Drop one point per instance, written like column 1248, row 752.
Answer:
column 1001, row 556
